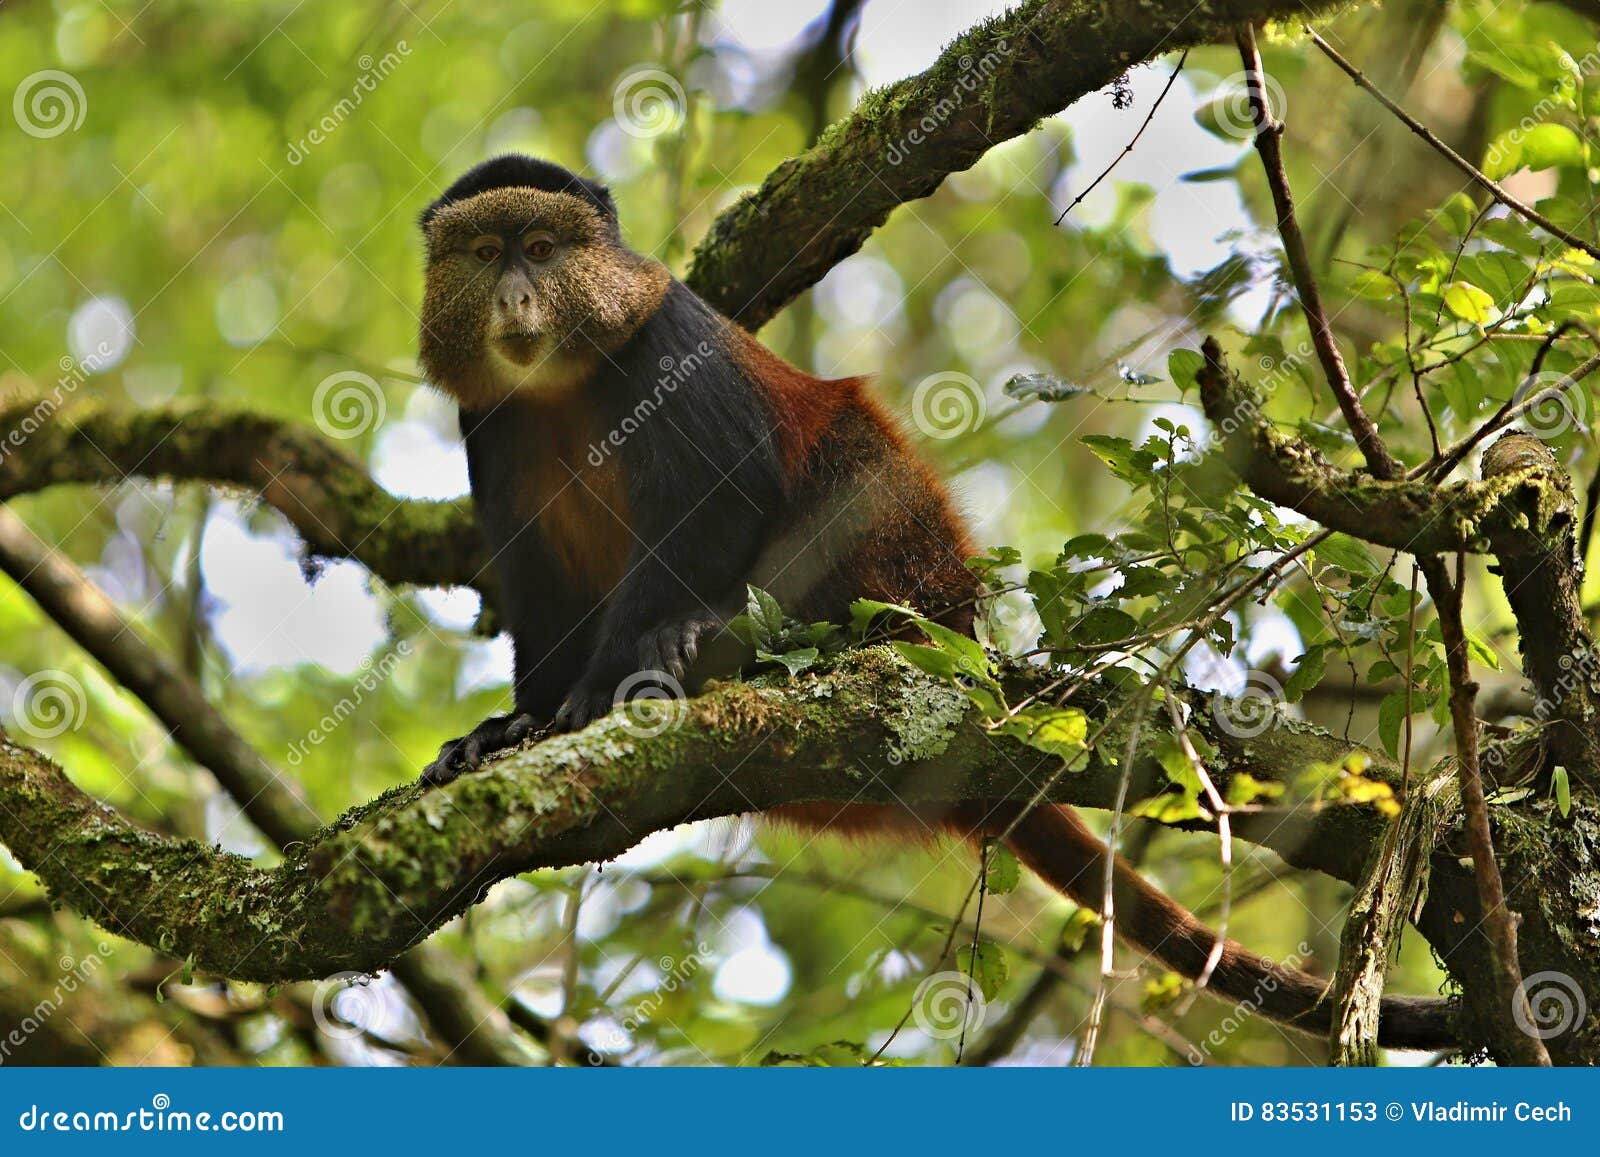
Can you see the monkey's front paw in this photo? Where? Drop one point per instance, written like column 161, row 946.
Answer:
column 465, row 754
column 586, row 702
column 672, row 647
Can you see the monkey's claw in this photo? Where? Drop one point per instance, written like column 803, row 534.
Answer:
column 466, row 753
column 672, row 647
column 583, row 706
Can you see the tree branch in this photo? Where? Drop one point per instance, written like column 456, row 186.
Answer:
column 994, row 82
column 385, row 875
column 1269, row 144
column 1509, row 514
column 329, row 497
column 464, row 1020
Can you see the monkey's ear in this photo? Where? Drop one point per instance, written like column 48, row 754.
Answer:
column 602, row 194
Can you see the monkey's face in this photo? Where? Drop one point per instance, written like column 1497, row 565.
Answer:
column 526, row 291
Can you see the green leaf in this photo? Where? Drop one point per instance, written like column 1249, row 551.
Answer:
column 1391, row 717
column 1480, row 650
column 796, row 661
column 1104, row 625
column 971, row 658
column 985, row 963
column 1076, row 930
column 864, row 611
column 1374, row 286
column 1548, row 146
column 1562, row 786
column 929, row 660
column 1173, row 807
column 1060, row 731
column 1003, row 873
column 1182, row 366
column 1245, row 788
column 1348, row 554
column 761, row 624
column 1469, row 303
column 1308, row 672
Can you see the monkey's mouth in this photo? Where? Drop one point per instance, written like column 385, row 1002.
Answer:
column 519, row 346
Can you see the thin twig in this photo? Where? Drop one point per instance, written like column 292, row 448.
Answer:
column 1128, row 148
column 1494, row 188
column 1498, row 920
column 1269, row 134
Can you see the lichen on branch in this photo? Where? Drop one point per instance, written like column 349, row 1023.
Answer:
column 328, row 496
column 385, row 875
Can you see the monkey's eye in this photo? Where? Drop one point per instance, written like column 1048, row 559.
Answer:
column 541, row 247
column 486, row 252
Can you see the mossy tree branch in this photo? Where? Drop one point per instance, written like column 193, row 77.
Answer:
column 1509, row 514
column 360, row 892
column 995, row 81
column 328, row 496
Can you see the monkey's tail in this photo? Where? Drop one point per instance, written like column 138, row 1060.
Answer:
column 1057, row 845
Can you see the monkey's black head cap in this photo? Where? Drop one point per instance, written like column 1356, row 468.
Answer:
column 518, row 171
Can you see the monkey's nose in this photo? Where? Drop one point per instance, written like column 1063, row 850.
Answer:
column 514, row 301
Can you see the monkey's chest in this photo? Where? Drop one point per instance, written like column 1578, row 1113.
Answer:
column 574, row 493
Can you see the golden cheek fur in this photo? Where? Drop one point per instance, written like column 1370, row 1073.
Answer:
column 592, row 298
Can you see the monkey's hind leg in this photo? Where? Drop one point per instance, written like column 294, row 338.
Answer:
column 467, row 752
